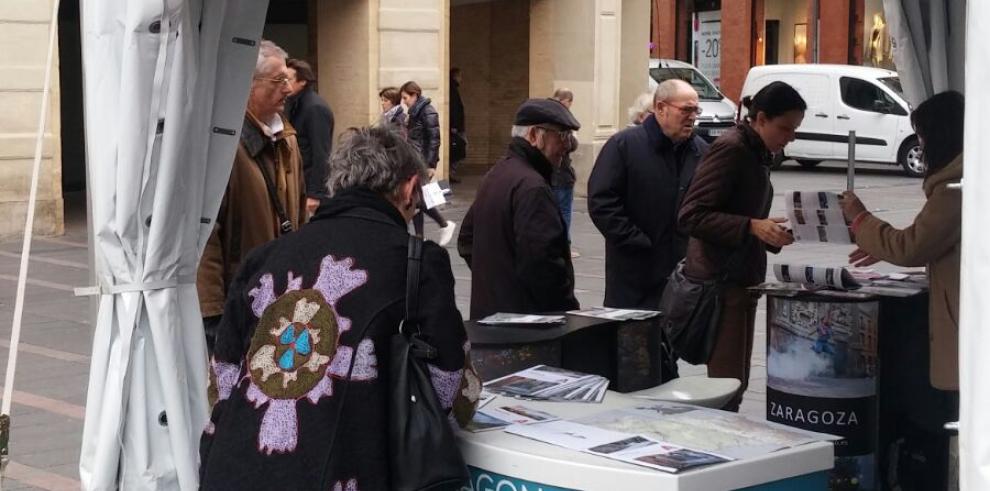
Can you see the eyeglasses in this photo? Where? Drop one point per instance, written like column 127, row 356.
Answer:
column 686, row 110
column 564, row 135
column 280, row 80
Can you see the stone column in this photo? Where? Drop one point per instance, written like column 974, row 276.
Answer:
column 365, row 45
column 24, row 28
column 579, row 45
column 413, row 42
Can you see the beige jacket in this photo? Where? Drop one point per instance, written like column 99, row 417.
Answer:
column 247, row 217
column 933, row 240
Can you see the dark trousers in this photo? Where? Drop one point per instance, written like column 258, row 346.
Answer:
column 734, row 343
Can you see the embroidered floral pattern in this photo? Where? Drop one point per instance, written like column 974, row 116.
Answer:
column 350, row 485
column 294, row 351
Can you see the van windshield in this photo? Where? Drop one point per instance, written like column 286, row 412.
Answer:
column 893, row 83
column 706, row 91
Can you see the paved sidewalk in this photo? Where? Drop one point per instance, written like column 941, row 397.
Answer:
column 54, row 357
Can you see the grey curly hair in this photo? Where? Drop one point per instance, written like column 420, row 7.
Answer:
column 375, row 158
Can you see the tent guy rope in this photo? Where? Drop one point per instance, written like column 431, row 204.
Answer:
column 15, row 330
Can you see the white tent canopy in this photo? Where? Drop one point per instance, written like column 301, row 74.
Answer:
column 929, row 37
column 165, row 86
column 930, row 40
column 974, row 335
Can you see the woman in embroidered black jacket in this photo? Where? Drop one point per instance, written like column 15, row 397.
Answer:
column 315, row 305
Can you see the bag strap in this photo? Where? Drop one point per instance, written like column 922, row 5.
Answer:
column 284, row 224
column 414, row 260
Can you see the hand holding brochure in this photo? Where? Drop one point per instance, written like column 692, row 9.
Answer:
column 817, row 276
column 815, row 216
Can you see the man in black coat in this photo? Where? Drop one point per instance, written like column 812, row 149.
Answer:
column 513, row 237
column 635, row 191
column 312, row 118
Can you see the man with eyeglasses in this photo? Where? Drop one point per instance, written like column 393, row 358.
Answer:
column 513, row 237
column 265, row 196
column 635, row 191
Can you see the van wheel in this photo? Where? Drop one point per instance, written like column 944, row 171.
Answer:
column 808, row 164
column 778, row 160
column 909, row 156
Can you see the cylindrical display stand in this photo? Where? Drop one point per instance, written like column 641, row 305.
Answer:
column 822, row 376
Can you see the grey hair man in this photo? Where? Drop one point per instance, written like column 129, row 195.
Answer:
column 513, row 236
column 265, row 196
column 634, row 194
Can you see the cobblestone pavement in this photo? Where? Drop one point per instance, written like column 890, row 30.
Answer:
column 53, row 364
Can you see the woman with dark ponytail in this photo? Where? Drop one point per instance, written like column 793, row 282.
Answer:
column 726, row 213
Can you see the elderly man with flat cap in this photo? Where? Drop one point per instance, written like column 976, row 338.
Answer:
column 513, row 237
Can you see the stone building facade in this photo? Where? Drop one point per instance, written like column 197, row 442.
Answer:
column 508, row 50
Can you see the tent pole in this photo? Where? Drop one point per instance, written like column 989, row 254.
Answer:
column 15, row 331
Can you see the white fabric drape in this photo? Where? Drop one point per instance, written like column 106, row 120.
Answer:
column 974, row 312
column 165, row 87
column 928, row 40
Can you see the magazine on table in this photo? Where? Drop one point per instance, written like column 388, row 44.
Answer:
column 815, row 216
column 509, row 318
column 498, row 416
column 816, row 276
column 625, row 447
column 608, row 313
column 544, row 382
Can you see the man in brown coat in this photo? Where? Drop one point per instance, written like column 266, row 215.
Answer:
column 265, row 196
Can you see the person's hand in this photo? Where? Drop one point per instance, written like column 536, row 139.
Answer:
column 311, row 205
column 431, row 172
column 860, row 258
column 851, row 206
column 769, row 231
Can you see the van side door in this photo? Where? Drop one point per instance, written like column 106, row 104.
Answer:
column 873, row 114
column 815, row 137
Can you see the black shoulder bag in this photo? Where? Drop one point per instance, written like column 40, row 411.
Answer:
column 423, row 454
column 691, row 311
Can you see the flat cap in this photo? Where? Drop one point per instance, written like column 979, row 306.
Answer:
column 545, row 111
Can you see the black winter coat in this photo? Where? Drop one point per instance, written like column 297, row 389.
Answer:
column 297, row 312
column 514, row 241
column 634, row 193
column 424, row 130
column 312, row 118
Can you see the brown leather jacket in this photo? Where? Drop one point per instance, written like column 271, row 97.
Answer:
column 730, row 187
column 247, row 217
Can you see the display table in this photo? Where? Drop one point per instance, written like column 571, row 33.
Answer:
column 504, row 462
column 625, row 352
column 856, row 366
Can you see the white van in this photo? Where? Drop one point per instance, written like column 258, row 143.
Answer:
column 718, row 113
column 844, row 98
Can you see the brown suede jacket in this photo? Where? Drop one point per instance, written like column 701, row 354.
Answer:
column 247, row 217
